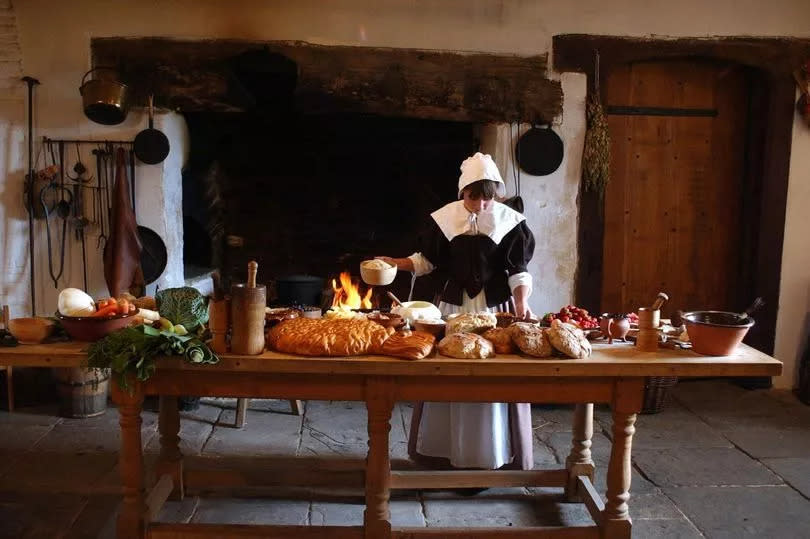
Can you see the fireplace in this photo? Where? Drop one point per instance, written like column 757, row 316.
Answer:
column 315, row 194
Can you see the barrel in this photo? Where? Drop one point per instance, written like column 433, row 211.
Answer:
column 82, row 392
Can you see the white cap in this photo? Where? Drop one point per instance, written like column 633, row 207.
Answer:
column 480, row 167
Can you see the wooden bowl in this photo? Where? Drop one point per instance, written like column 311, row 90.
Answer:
column 89, row 328
column 434, row 327
column 377, row 276
column 30, row 330
column 387, row 320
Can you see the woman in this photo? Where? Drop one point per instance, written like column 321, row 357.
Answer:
column 484, row 247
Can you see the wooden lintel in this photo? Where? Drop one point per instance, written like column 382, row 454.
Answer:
column 587, row 493
column 544, row 532
column 576, row 52
column 236, row 531
column 233, row 75
column 158, row 496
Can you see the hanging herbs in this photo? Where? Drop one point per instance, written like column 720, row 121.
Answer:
column 596, row 153
column 134, row 351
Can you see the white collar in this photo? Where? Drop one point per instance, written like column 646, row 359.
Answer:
column 454, row 220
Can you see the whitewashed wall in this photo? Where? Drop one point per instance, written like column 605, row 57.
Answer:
column 54, row 36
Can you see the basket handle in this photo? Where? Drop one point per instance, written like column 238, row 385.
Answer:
column 97, row 68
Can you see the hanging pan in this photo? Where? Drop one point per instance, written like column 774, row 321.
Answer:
column 151, row 145
column 539, row 151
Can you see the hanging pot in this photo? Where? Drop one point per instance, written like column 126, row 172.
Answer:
column 539, row 151
column 151, row 145
column 105, row 100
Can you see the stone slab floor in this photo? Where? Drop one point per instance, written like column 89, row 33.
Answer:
column 720, row 462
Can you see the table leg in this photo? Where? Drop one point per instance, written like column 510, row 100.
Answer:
column 579, row 461
column 170, row 460
column 379, row 403
column 616, row 523
column 130, row 524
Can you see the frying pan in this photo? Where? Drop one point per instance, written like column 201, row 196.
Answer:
column 539, row 151
column 151, row 145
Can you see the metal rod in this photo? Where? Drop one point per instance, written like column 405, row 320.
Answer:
column 31, row 82
column 617, row 110
column 85, row 141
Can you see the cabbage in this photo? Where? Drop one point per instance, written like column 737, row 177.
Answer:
column 184, row 306
column 74, row 302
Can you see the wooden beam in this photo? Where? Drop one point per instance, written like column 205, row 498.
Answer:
column 158, row 496
column 475, row 478
column 579, row 532
column 237, row 531
column 441, row 85
column 593, row 502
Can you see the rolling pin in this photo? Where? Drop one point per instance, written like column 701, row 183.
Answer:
column 248, row 302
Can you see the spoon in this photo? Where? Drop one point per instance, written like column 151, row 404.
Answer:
column 395, row 299
column 755, row 306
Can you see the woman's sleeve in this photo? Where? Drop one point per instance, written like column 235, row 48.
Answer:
column 433, row 245
column 519, row 243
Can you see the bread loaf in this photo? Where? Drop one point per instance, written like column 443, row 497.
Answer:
column 409, row 344
column 501, row 340
column 466, row 346
column 569, row 339
column 327, row 337
column 470, row 323
column 531, row 339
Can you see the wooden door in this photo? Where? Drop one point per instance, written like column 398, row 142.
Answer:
column 673, row 205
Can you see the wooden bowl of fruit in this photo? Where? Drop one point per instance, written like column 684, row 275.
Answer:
column 111, row 315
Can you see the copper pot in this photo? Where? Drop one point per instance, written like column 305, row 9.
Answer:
column 105, row 99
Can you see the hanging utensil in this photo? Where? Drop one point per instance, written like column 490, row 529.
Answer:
column 99, row 200
column 67, row 198
column 515, row 202
column 105, row 99
column 755, row 306
column 29, row 182
column 151, row 145
column 79, row 169
column 539, row 151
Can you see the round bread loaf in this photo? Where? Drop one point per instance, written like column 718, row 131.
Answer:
column 568, row 339
column 470, row 323
column 466, row 346
column 500, row 339
column 531, row 339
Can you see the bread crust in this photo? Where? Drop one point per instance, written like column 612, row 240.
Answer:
column 466, row 346
column 531, row 339
column 327, row 337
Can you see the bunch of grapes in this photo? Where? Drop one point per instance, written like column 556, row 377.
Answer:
column 571, row 314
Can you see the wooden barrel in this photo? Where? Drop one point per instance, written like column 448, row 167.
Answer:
column 82, row 392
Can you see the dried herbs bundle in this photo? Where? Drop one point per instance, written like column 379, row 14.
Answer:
column 596, row 153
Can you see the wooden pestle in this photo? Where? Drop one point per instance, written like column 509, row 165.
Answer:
column 248, row 302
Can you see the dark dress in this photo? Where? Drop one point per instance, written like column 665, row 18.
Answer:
column 477, row 254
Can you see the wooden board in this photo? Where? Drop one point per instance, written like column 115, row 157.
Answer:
column 672, row 209
column 607, row 360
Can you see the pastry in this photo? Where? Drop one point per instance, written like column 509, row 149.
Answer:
column 327, row 337
column 470, row 323
column 466, row 346
column 501, row 340
column 569, row 339
column 531, row 339
column 409, row 344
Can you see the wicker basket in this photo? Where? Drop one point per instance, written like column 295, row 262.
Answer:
column 656, row 393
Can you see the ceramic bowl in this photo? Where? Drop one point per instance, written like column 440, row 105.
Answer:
column 30, row 330
column 716, row 333
column 377, row 276
column 434, row 327
column 89, row 328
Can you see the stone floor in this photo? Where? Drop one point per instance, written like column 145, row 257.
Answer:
column 719, row 462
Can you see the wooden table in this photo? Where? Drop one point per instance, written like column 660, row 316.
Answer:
column 614, row 374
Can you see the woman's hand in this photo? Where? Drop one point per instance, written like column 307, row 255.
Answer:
column 521, row 295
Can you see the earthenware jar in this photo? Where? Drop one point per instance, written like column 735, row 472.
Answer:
column 614, row 326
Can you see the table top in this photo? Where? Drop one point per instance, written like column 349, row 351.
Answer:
column 619, row 359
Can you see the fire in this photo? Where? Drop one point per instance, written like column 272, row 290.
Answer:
column 347, row 295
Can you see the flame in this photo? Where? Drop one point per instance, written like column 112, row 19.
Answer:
column 347, row 295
